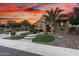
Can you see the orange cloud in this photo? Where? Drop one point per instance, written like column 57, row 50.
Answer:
column 31, row 20
column 36, row 12
column 24, row 12
column 8, row 19
column 9, row 6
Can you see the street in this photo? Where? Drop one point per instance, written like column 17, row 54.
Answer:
column 5, row 51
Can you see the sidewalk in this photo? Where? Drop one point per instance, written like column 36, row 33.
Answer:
column 39, row 48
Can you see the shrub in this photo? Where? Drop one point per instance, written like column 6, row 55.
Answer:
column 43, row 38
column 72, row 29
column 21, row 36
column 40, row 30
column 1, row 29
column 13, row 33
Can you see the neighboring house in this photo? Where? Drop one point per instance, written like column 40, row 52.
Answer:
column 62, row 20
column 40, row 25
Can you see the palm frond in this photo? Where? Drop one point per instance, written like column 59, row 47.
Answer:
column 56, row 10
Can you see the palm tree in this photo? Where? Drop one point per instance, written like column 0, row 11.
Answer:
column 52, row 14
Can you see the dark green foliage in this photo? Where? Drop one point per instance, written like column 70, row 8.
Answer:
column 1, row 29
column 13, row 33
column 11, row 24
column 74, row 19
column 2, row 25
column 43, row 38
column 72, row 30
column 20, row 37
column 25, row 24
column 40, row 30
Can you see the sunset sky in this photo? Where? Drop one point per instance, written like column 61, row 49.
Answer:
column 21, row 11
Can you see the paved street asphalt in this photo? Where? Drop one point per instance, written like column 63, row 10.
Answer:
column 5, row 51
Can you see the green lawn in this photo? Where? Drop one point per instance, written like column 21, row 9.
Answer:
column 44, row 38
column 20, row 37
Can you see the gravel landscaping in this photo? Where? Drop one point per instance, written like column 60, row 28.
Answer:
column 63, row 39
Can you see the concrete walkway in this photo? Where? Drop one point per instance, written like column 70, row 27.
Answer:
column 40, row 49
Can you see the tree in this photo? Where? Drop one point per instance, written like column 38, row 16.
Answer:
column 2, row 25
column 52, row 14
column 25, row 24
column 12, row 24
column 74, row 19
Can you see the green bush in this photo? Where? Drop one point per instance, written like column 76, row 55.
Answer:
column 1, row 29
column 40, row 30
column 21, row 36
column 43, row 38
column 13, row 33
